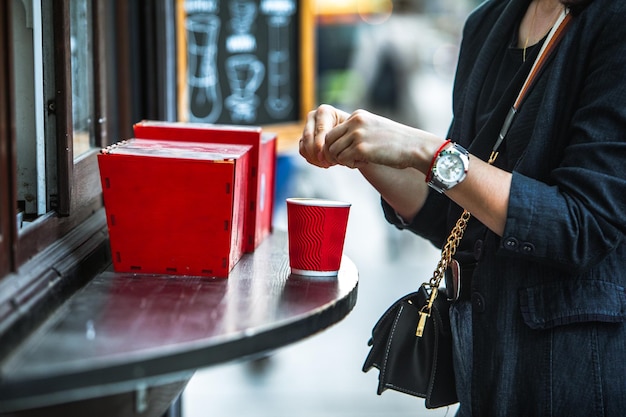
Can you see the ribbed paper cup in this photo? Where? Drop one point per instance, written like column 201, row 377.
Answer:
column 316, row 230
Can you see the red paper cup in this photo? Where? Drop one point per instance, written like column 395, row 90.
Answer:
column 316, row 229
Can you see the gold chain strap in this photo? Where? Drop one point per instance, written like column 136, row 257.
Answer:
column 448, row 251
column 453, row 240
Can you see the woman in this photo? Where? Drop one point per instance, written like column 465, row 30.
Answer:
column 539, row 328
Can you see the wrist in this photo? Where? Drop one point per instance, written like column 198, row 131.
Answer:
column 429, row 172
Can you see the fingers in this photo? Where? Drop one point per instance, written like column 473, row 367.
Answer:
column 329, row 137
column 318, row 123
column 337, row 140
column 344, row 144
column 307, row 141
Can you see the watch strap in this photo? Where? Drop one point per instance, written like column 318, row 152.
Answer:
column 429, row 175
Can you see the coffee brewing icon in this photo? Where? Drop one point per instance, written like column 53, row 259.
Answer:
column 245, row 73
column 244, row 70
column 205, row 98
column 278, row 12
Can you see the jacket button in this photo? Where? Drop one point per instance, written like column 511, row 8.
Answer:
column 528, row 248
column 478, row 249
column 511, row 244
column 478, row 302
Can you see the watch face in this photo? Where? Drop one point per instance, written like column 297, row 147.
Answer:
column 450, row 168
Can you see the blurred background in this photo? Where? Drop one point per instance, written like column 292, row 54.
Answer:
column 397, row 59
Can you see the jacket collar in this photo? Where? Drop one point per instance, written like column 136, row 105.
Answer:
column 497, row 39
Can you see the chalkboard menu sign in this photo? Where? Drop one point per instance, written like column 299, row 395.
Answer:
column 240, row 62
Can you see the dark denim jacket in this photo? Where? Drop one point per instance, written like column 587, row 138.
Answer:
column 548, row 298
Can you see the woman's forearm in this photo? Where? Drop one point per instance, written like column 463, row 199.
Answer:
column 484, row 193
column 404, row 189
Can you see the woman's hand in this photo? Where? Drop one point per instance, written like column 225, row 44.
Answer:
column 355, row 140
column 318, row 123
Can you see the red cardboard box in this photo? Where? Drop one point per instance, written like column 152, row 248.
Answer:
column 262, row 164
column 175, row 207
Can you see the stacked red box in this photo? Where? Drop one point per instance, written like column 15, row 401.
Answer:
column 175, row 207
column 260, row 199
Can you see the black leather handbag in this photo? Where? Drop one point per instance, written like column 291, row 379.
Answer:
column 411, row 344
column 419, row 366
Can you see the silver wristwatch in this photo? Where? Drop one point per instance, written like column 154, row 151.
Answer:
column 449, row 168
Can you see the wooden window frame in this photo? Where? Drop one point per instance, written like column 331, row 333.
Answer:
column 8, row 229
column 78, row 188
column 44, row 263
column 79, row 194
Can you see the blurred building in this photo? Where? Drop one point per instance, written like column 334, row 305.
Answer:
column 382, row 55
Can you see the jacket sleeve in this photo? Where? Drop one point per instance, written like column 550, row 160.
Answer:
column 428, row 223
column 576, row 216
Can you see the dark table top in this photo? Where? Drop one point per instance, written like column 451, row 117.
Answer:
column 124, row 330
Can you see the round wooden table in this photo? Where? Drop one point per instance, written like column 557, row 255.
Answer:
column 126, row 336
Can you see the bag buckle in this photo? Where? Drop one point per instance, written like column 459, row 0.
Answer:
column 425, row 312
